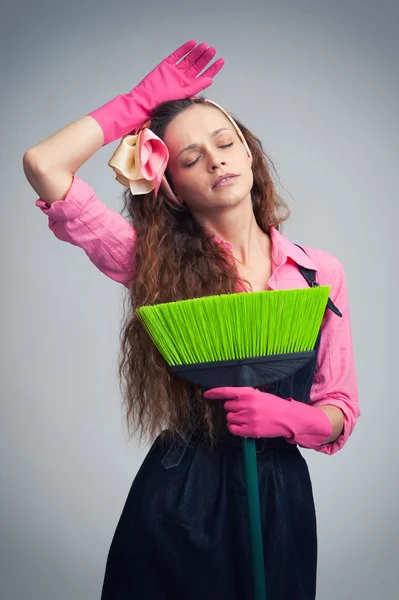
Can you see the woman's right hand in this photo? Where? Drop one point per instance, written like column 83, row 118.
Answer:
column 171, row 81
column 168, row 81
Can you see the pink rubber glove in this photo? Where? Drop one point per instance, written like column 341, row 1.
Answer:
column 168, row 81
column 256, row 414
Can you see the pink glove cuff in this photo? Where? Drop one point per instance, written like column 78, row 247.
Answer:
column 119, row 116
column 306, row 425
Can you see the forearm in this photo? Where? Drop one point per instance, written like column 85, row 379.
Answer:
column 336, row 417
column 70, row 147
column 49, row 165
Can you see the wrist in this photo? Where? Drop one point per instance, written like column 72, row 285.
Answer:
column 120, row 116
column 306, row 425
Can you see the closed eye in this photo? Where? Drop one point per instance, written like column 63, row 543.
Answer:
column 193, row 163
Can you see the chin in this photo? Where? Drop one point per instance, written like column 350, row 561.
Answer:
column 229, row 202
column 235, row 197
column 228, row 199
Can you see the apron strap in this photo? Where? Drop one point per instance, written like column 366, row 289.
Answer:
column 310, row 276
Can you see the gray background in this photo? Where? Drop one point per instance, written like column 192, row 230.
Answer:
column 318, row 83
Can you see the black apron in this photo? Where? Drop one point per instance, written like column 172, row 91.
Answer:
column 183, row 532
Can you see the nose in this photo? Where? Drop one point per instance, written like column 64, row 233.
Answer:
column 218, row 164
column 215, row 162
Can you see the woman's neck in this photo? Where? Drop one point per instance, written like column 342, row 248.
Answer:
column 248, row 241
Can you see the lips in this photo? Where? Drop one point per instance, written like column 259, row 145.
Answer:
column 225, row 176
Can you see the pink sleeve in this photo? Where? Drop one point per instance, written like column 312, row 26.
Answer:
column 335, row 378
column 84, row 221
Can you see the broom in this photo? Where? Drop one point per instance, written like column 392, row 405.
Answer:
column 241, row 339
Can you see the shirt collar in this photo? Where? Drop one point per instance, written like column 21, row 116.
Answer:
column 282, row 249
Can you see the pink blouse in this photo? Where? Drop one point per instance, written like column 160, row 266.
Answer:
column 109, row 240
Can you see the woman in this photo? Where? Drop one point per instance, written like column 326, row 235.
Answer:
column 208, row 224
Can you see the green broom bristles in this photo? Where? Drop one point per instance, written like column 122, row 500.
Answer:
column 234, row 326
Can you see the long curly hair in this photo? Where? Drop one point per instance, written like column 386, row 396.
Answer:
column 175, row 259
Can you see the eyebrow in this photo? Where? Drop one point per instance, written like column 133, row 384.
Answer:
column 192, row 146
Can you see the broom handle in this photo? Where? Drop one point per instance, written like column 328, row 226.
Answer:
column 255, row 523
